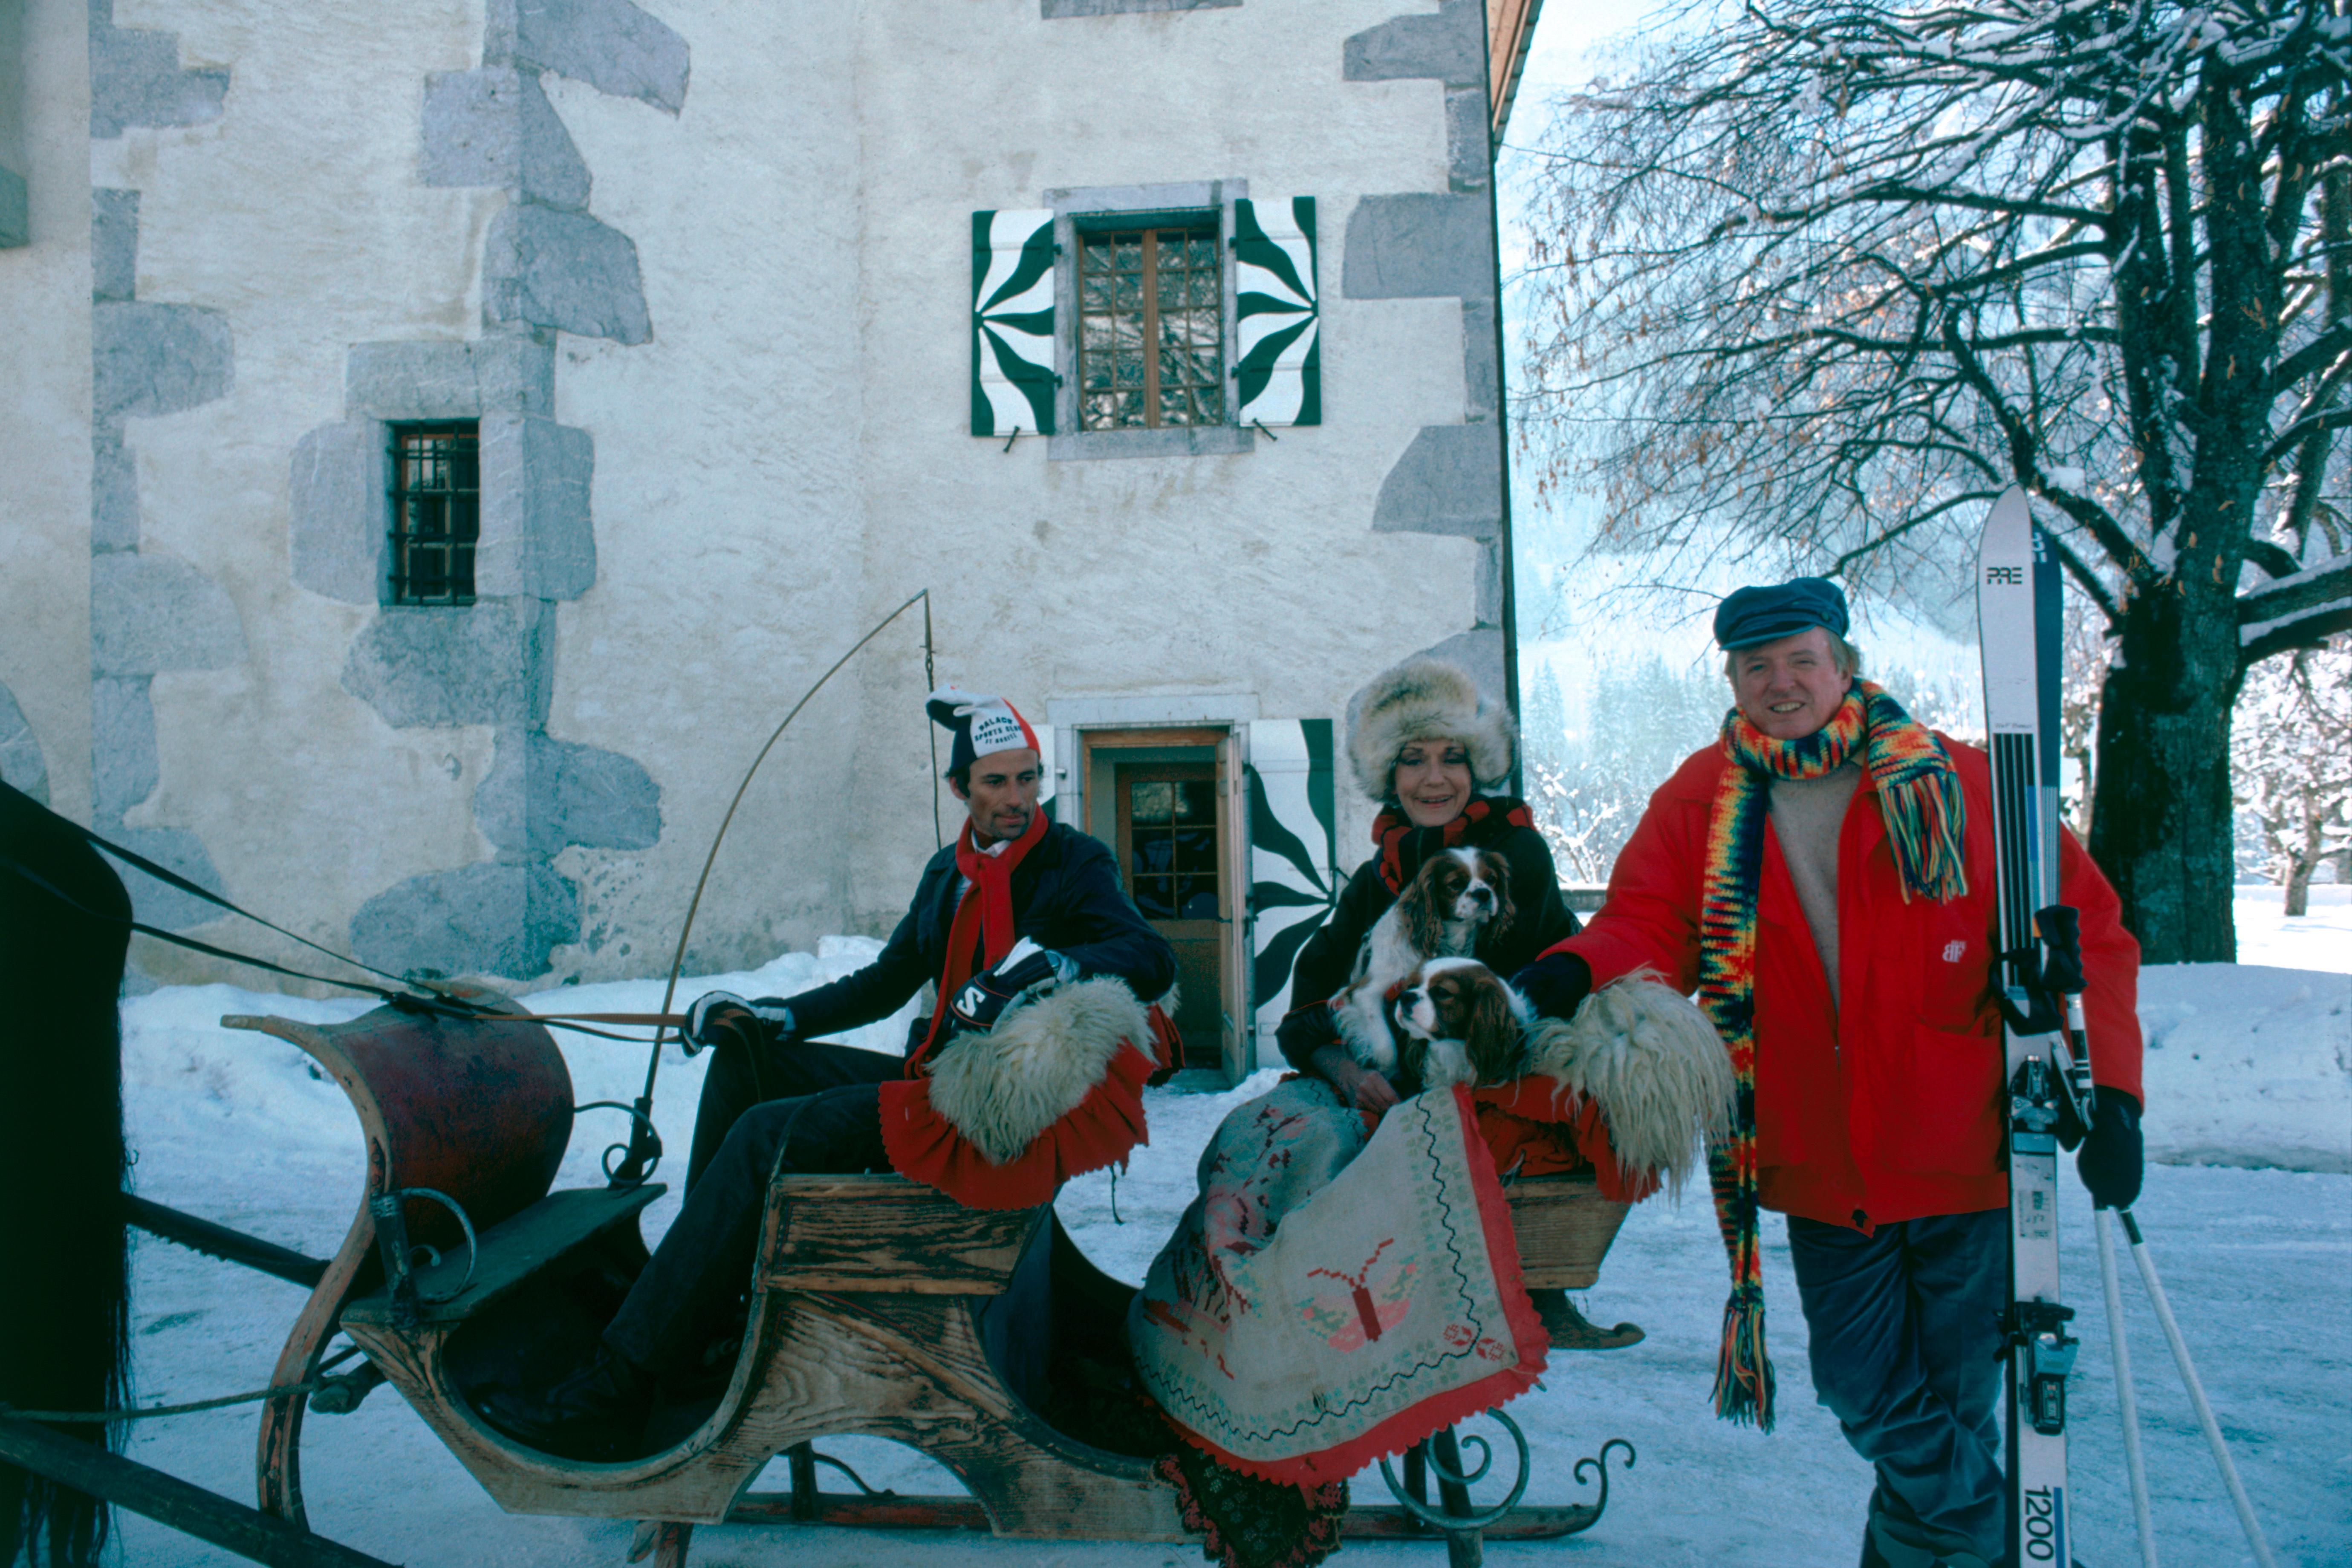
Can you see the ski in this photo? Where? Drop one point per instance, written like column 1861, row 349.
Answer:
column 2018, row 626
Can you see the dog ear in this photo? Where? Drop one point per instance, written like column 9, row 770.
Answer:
column 1425, row 927
column 1492, row 1035
column 1497, row 872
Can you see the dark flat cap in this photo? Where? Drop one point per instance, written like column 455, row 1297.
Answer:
column 1751, row 616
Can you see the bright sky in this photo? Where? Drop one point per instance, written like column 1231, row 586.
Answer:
column 1566, row 53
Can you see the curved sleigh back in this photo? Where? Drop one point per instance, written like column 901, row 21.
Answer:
column 478, row 1110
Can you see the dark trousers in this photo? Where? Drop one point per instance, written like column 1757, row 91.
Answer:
column 1905, row 1325
column 804, row 1109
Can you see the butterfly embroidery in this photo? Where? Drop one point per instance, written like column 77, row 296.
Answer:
column 1372, row 1300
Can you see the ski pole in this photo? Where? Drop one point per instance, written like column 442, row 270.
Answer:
column 2213, row 1438
column 2126, row 1399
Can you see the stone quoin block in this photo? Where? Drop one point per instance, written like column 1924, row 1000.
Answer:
column 159, row 903
column 1469, row 151
column 537, row 539
column 1482, row 378
column 615, row 46
column 542, row 795
column 487, row 664
column 124, row 767
column 495, row 127
column 153, row 613
column 16, row 210
column 113, row 247
column 565, row 271
column 21, row 761
column 504, row 373
column 1054, row 10
column 338, row 521
column 1450, row 45
column 1450, row 480
column 1419, row 246
column 135, row 79
column 485, row 919
column 156, row 359
column 113, row 492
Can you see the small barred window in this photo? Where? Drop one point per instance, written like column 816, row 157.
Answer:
column 436, row 512
column 1150, row 329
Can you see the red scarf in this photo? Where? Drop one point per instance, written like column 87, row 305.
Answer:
column 1391, row 829
column 984, row 919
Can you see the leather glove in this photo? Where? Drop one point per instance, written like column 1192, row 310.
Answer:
column 2109, row 1164
column 1555, row 984
column 706, row 1023
column 982, row 1000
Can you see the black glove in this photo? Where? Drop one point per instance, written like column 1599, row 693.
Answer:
column 1555, row 984
column 982, row 1000
column 2109, row 1164
column 706, row 1021
column 1304, row 1031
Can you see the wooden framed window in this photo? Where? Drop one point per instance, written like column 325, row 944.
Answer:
column 1151, row 346
column 436, row 512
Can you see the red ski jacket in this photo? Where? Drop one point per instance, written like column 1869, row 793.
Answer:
column 1890, row 1107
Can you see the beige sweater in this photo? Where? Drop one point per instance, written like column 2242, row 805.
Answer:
column 1806, row 817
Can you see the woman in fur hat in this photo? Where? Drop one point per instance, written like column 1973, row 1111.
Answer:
column 1430, row 749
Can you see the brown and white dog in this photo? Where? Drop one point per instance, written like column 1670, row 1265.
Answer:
column 1459, row 899
column 1461, row 1023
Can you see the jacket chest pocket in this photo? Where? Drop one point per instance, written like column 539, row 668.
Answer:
column 1951, row 965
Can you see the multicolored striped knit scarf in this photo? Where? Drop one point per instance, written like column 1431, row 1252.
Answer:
column 1919, row 798
column 1391, row 830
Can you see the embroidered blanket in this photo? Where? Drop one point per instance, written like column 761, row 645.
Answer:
column 1332, row 1297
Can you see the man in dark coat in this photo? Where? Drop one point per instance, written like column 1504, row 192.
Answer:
column 775, row 1099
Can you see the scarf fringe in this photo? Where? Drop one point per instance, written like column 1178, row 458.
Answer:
column 1743, row 1371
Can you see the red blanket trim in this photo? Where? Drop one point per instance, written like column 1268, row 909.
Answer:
column 1410, row 1425
column 1098, row 1130
column 1533, row 1122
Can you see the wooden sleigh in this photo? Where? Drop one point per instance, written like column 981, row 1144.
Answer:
column 880, row 1308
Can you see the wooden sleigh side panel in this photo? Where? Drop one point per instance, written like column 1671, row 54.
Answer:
column 478, row 1110
column 882, row 1310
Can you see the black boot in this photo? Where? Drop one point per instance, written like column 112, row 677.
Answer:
column 598, row 1413
column 1566, row 1330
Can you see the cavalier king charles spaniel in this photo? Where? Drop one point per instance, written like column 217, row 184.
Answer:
column 1460, row 900
column 1461, row 1023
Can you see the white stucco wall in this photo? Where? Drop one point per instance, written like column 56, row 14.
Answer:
column 785, row 459
column 45, row 413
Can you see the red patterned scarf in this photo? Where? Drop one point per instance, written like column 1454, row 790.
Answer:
column 1919, row 799
column 983, row 920
column 1392, row 829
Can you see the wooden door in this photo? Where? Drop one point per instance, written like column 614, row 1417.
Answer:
column 1171, row 852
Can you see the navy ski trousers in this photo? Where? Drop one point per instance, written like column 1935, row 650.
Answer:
column 1905, row 1324
column 805, row 1108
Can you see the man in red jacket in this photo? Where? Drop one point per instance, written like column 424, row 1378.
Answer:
column 1822, row 877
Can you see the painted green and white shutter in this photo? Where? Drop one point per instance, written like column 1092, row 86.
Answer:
column 1278, row 370
column 1012, row 377
column 1293, row 851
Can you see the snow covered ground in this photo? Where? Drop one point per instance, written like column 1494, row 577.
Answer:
column 2252, row 1067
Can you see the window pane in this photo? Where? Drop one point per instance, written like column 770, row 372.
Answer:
column 1151, row 802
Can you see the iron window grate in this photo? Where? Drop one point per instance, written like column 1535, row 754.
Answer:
column 436, row 512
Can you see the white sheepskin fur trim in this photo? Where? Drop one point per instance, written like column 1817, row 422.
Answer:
column 1002, row 1089
column 1657, row 1067
column 1426, row 699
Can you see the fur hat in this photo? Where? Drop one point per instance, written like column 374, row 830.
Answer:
column 1426, row 699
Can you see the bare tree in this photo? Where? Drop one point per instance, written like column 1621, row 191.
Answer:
column 1816, row 282
column 2293, row 764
